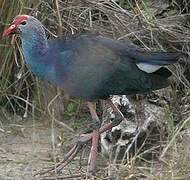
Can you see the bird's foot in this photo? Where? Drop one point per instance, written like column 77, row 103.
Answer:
column 78, row 146
column 84, row 139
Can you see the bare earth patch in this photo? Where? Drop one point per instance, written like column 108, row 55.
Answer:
column 25, row 149
column 27, row 146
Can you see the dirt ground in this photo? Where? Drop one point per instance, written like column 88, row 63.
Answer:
column 26, row 148
column 30, row 145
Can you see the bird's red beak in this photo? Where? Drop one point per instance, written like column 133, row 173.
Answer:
column 13, row 28
column 10, row 30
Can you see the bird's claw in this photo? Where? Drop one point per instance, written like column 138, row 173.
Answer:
column 83, row 139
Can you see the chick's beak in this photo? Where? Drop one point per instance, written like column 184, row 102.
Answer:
column 12, row 29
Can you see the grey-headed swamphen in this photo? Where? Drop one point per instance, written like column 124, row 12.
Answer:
column 91, row 67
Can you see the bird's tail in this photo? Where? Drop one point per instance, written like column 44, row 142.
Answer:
column 158, row 58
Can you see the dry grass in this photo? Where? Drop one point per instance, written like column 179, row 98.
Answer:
column 152, row 25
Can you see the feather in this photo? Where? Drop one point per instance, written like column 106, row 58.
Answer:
column 148, row 67
column 94, row 67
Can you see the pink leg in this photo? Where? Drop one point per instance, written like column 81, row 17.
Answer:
column 95, row 138
column 94, row 151
column 85, row 138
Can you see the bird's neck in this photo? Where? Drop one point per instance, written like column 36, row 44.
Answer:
column 34, row 44
column 35, row 50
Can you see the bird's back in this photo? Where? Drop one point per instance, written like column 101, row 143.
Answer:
column 95, row 67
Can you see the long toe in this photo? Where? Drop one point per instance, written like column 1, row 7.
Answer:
column 77, row 147
column 93, row 151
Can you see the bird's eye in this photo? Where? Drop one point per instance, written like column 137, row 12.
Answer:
column 23, row 23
